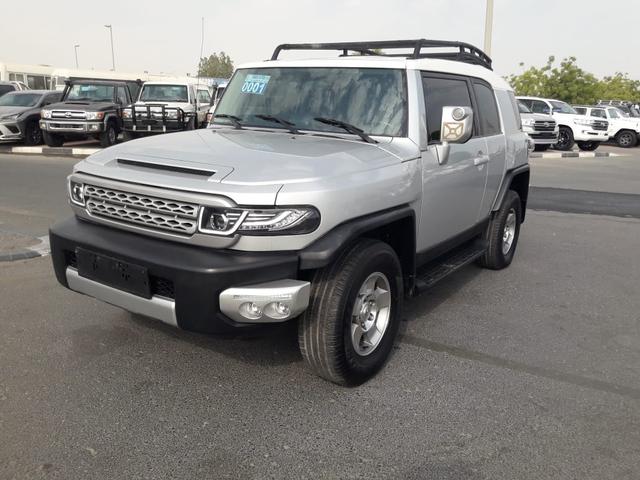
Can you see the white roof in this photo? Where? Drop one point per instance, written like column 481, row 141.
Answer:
column 424, row 64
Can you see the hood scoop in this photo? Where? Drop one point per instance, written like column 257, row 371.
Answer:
column 168, row 168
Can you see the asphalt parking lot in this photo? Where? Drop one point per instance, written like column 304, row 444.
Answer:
column 527, row 373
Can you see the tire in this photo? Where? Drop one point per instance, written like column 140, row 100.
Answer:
column 627, row 139
column 109, row 136
column 191, row 124
column 541, row 148
column 497, row 255
column 565, row 140
column 588, row 146
column 129, row 135
column 326, row 328
column 32, row 133
column 52, row 140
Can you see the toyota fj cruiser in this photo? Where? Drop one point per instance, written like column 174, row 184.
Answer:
column 588, row 133
column 166, row 107
column 89, row 108
column 325, row 189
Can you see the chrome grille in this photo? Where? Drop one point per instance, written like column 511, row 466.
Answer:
column 544, row 126
column 600, row 125
column 148, row 211
column 70, row 114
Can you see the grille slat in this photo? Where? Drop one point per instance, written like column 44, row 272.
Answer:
column 544, row 126
column 151, row 212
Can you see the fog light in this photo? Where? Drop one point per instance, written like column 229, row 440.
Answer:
column 277, row 310
column 250, row 310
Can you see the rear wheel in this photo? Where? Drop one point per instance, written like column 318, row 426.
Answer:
column 627, row 139
column 32, row 133
column 502, row 233
column 348, row 331
column 109, row 136
column 52, row 140
column 588, row 146
column 565, row 139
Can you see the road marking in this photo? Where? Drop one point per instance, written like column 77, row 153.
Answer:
column 569, row 378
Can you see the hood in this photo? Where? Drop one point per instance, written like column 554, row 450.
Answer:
column 4, row 111
column 251, row 157
column 540, row 117
column 81, row 106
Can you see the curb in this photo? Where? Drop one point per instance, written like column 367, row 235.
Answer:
column 573, row 155
column 56, row 151
column 40, row 250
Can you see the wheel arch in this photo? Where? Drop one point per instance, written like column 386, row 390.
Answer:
column 396, row 227
column 518, row 181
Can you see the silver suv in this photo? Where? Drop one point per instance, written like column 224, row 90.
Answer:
column 325, row 190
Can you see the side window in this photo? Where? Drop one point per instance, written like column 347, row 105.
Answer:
column 123, row 99
column 538, row 106
column 580, row 110
column 203, row 96
column 488, row 110
column 516, row 109
column 442, row 92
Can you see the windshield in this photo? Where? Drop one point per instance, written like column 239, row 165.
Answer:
column 613, row 113
column 561, row 107
column 523, row 108
column 20, row 100
column 90, row 92
column 371, row 99
column 164, row 93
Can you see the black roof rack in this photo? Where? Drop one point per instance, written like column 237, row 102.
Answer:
column 464, row 52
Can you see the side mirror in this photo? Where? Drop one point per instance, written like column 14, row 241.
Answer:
column 456, row 127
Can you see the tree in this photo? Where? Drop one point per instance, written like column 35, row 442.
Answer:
column 216, row 65
column 619, row 87
column 566, row 82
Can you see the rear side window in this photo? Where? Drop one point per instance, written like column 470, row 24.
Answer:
column 488, row 110
column 442, row 92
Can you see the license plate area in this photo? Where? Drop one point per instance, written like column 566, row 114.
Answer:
column 113, row 272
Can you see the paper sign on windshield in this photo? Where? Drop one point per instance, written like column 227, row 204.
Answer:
column 255, row 84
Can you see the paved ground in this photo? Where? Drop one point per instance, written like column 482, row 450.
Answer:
column 531, row 372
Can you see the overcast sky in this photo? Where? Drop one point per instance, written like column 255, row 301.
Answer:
column 164, row 36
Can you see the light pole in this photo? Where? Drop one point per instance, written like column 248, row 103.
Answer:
column 488, row 27
column 75, row 47
column 113, row 58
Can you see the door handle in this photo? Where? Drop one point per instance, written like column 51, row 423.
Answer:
column 481, row 160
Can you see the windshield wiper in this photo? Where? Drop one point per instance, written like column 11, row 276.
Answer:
column 232, row 118
column 288, row 125
column 346, row 126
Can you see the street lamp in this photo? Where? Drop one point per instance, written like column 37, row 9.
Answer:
column 488, row 27
column 75, row 47
column 113, row 58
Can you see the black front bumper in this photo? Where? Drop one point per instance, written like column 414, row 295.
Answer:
column 192, row 276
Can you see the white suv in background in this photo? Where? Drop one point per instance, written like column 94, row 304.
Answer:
column 625, row 131
column 587, row 132
column 542, row 129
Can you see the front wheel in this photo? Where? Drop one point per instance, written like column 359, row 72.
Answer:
column 588, row 146
column 541, row 148
column 109, row 136
column 565, row 140
column 348, row 331
column 32, row 134
column 502, row 233
column 627, row 139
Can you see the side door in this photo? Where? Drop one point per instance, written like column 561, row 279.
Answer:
column 122, row 100
column 452, row 191
column 492, row 130
column 204, row 103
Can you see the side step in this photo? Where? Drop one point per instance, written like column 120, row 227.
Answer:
column 433, row 272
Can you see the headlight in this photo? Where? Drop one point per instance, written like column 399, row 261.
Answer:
column 171, row 114
column 45, row 113
column 528, row 122
column 76, row 192
column 95, row 115
column 126, row 113
column 583, row 121
column 272, row 221
column 11, row 117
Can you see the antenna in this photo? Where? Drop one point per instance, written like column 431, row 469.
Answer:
column 201, row 52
